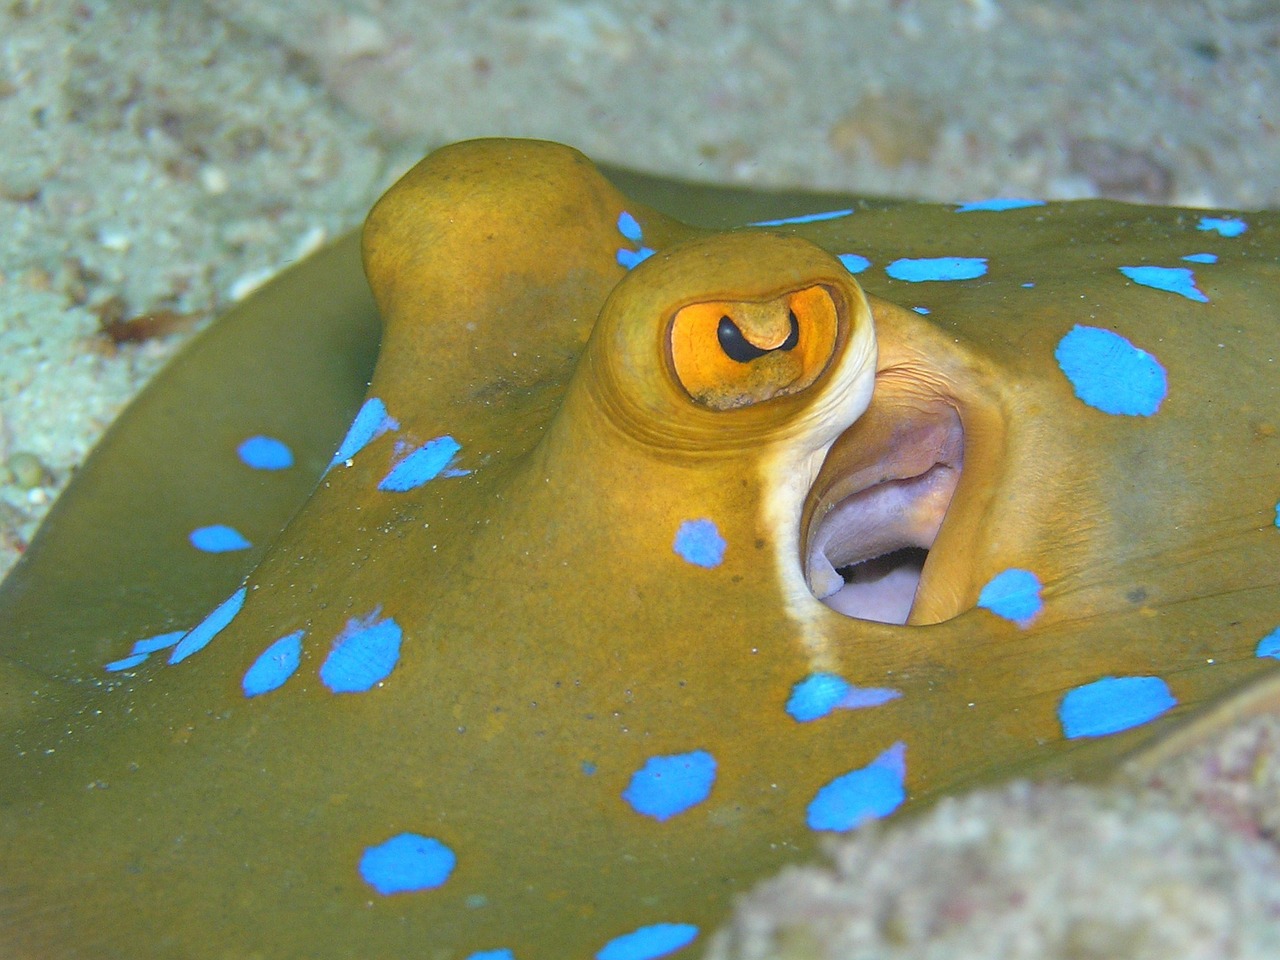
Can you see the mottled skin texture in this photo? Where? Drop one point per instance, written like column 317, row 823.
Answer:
column 547, row 619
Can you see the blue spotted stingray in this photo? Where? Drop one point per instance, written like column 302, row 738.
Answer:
column 600, row 565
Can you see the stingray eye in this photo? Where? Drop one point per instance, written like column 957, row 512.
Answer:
column 729, row 354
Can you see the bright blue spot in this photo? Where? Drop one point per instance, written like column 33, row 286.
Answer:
column 275, row 665
column 1225, row 226
column 1278, row 514
column 1201, row 257
column 1028, row 285
column 589, row 768
column 407, row 862
column 1012, row 594
column 699, row 542
column 804, row 218
column 668, row 785
column 493, row 954
column 199, row 636
column 1179, row 280
column 650, row 942
column 999, row 203
column 859, row 697
column 917, row 270
column 422, row 465
column 1113, row 704
column 629, row 227
column 923, row 311
column 218, row 538
column 632, row 258
column 867, row 793
column 1268, row 646
column 265, row 453
column 370, row 423
column 854, row 262
column 160, row 641
column 815, row 696
column 364, row 654
column 128, row 663
column 1110, row 374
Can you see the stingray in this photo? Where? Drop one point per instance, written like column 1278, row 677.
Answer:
column 599, row 563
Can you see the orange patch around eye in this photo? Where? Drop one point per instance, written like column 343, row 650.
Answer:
column 713, row 378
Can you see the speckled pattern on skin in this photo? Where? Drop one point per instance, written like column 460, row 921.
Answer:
column 539, row 656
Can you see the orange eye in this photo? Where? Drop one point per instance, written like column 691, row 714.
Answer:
column 729, row 353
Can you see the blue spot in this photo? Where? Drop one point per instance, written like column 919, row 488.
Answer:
column 276, row 664
column 868, row 793
column 632, row 258
column 999, row 203
column 818, row 694
column 1201, row 257
column 424, row 464
column 854, row 262
column 160, row 641
column 370, row 423
column 589, row 768
column 666, row 786
column 699, row 542
column 1179, row 280
column 128, row 663
column 492, row 955
column 1028, row 285
column 1110, row 374
column 1277, row 515
column 629, row 227
column 218, row 538
column 917, row 270
column 1113, row 704
column 265, row 453
column 199, row 636
column 407, row 862
column 650, row 942
column 364, row 654
column 1012, row 594
column 923, row 311
column 1224, row 226
column 1269, row 646
column 804, row 218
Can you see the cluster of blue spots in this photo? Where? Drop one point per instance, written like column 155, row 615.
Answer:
column 423, row 464
column 371, row 422
column 999, row 203
column 818, row 694
column 406, row 863
column 700, row 543
column 1013, row 594
column 1113, row 704
column 854, row 262
column 1269, row 646
column 265, row 453
column 629, row 227
column 199, row 636
column 868, row 793
column 1179, row 280
column 274, row 666
column 143, row 648
column 920, row 269
column 218, row 538
column 1109, row 373
column 668, row 785
column 649, row 943
column 1223, row 226
column 804, row 218
column 1201, row 258
column 363, row 655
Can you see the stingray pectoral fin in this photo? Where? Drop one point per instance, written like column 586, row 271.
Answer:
column 113, row 562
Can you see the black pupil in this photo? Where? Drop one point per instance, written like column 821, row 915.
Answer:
column 741, row 350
